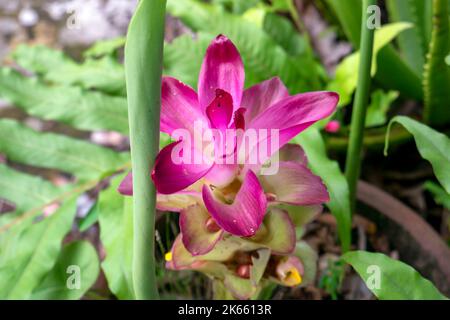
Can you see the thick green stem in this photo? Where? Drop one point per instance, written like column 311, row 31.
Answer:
column 143, row 64
column 354, row 151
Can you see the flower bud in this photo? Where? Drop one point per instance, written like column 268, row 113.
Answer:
column 290, row 271
column 243, row 271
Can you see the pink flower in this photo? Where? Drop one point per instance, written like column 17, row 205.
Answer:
column 212, row 197
column 333, row 126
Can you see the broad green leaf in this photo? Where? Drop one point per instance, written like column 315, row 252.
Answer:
column 237, row 6
column 346, row 77
column 74, row 273
column 183, row 57
column 379, row 107
column 439, row 194
column 105, row 74
column 397, row 280
column 348, row 13
column 262, row 57
column 393, row 72
column 105, row 47
column 36, row 251
column 411, row 41
column 255, row 15
column 332, row 176
column 24, row 190
column 437, row 72
column 116, row 233
column 432, row 145
column 281, row 5
column 40, row 59
column 84, row 160
column 70, row 105
column 285, row 34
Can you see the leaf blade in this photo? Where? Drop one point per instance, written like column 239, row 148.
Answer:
column 398, row 280
column 432, row 145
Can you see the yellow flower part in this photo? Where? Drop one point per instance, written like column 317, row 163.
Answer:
column 168, row 256
column 293, row 278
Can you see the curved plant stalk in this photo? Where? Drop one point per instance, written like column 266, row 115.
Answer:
column 143, row 66
column 353, row 161
column 437, row 73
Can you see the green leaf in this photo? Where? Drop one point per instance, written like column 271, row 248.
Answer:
column 77, row 259
column 116, row 234
column 70, row 105
column 379, row 106
column 439, row 194
column 346, row 76
column 348, row 13
column 24, row 190
column 398, row 281
column 23, row 271
column 411, row 42
column 437, row 72
column 40, row 59
column 105, row 47
column 84, row 160
column 183, row 57
column 237, row 6
column 284, row 33
column 105, row 74
column 432, row 145
column 261, row 55
column 331, row 174
column 393, row 72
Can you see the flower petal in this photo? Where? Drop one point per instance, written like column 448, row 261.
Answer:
column 165, row 202
column 302, row 215
column 177, row 201
column 179, row 106
column 308, row 257
column 294, row 114
column 240, row 288
column 222, row 175
column 263, row 95
column 170, row 177
column 278, row 233
column 126, row 186
column 295, row 184
column 220, row 110
column 244, row 216
column 180, row 257
column 223, row 69
column 199, row 231
column 290, row 271
column 292, row 152
column 259, row 265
